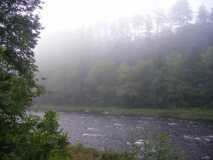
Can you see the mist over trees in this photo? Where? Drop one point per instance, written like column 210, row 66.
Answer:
column 161, row 59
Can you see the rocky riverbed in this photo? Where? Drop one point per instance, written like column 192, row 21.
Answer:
column 120, row 133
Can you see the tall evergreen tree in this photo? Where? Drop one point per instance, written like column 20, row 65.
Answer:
column 211, row 16
column 181, row 13
column 202, row 16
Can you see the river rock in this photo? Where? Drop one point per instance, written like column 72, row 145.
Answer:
column 172, row 124
column 206, row 158
column 91, row 135
column 139, row 142
column 118, row 125
column 187, row 137
column 128, row 143
column 197, row 138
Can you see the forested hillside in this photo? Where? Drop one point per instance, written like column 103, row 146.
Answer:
column 156, row 60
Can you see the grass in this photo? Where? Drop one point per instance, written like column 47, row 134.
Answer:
column 202, row 113
column 157, row 148
column 79, row 152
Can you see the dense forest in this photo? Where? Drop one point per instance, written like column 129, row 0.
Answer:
column 161, row 59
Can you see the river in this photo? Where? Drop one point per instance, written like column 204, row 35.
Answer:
column 120, row 133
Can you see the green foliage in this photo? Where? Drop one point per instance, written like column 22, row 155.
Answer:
column 160, row 149
column 19, row 31
column 80, row 152
column 171, row 80
column 23, row 137
column 207, row 61
column 116, row 156
column 36, row 139
column 169, row 67
column 153, row 149
column 162, row 60
column 207, row 58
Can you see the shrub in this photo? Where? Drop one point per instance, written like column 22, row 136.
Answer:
column 160, row 149
column 38, row 139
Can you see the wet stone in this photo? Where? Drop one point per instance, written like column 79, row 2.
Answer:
column 172, row 124
column 128, row 143
column 207, row 139
column 197, row 138
column 206, row 158
column 118, row 125
column 187, row 137
column 105, row 112
column 91, row 135
column 91, row 129
column 139, row 142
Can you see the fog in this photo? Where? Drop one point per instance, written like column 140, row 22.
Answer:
column 69, row 14
column 62, row 18
column 133, row 79
column 155, row 53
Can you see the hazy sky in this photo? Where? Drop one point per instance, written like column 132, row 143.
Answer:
column 62, row 15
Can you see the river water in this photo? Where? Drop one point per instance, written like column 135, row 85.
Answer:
column 120, row 133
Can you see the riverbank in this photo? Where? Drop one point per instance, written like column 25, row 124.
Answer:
column 202, row 113
column 118, row 133
column 79, row 152
column 162, row 150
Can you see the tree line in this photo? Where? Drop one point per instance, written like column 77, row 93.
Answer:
column 158, row 60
